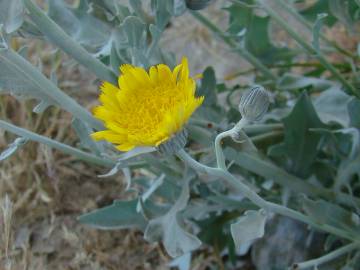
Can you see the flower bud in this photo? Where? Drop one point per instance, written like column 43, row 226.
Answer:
column 197, row 4
column 174, row 144
column 254, row 103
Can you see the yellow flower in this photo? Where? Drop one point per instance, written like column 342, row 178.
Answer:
column 147, row 108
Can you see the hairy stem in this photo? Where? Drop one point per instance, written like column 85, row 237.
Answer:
column 328, row 257
column 56, row 35
column 46, row 87
column 57, row 145
column 259, row 201
column 218, row 151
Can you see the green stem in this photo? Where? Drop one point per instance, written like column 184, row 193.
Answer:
column 268, row 170
column 278, row 19
column 56, row 35
column 218, row 151
column 27, row 71
column 328, row 257
column 57, row 145
column 259, row 201
column 232, row 44
column 291, row 10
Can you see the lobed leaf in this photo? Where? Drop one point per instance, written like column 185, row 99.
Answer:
column 169, row 227
column 248, row 227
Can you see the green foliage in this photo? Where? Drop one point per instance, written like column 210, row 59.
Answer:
column 308, row 143
column 253, row 31
column 248, row 228
column 119, row 215
column 300, row 142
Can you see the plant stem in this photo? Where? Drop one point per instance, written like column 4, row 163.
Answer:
column 267, row 136
column 57, row 145
column 58, row 36
column 310, row 50
column 232, row 44
column 256, row 199
column 305, row 23
column 27, row 71
column 266, row 169
column 219, row 154
column 328, row 257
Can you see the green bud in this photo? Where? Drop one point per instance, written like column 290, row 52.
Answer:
column 174, row 144
column 254, row 103
column 197, row 4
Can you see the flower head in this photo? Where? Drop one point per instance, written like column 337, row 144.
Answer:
column 146, row 108
column 254, row 103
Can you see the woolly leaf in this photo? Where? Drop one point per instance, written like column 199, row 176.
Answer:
column 169, row 228
column 119, row 215
column 248, row 228
column 11, row 14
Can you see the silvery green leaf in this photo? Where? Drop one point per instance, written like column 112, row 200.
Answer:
column 115, row 60
column 162, row 10
column 169, row 227
column 137, row 7
column 20, row 85
column 155, row 37
column 112, row 9
column 83, row 27
column 133, row 30
column 182, row 263
column 83, row 132
column 11, row 14
column 316, row 31
column 332, row 106
column 331, row 214
column 118, row 166
column 12, row 148
column 119, row 215
column 248, row 228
